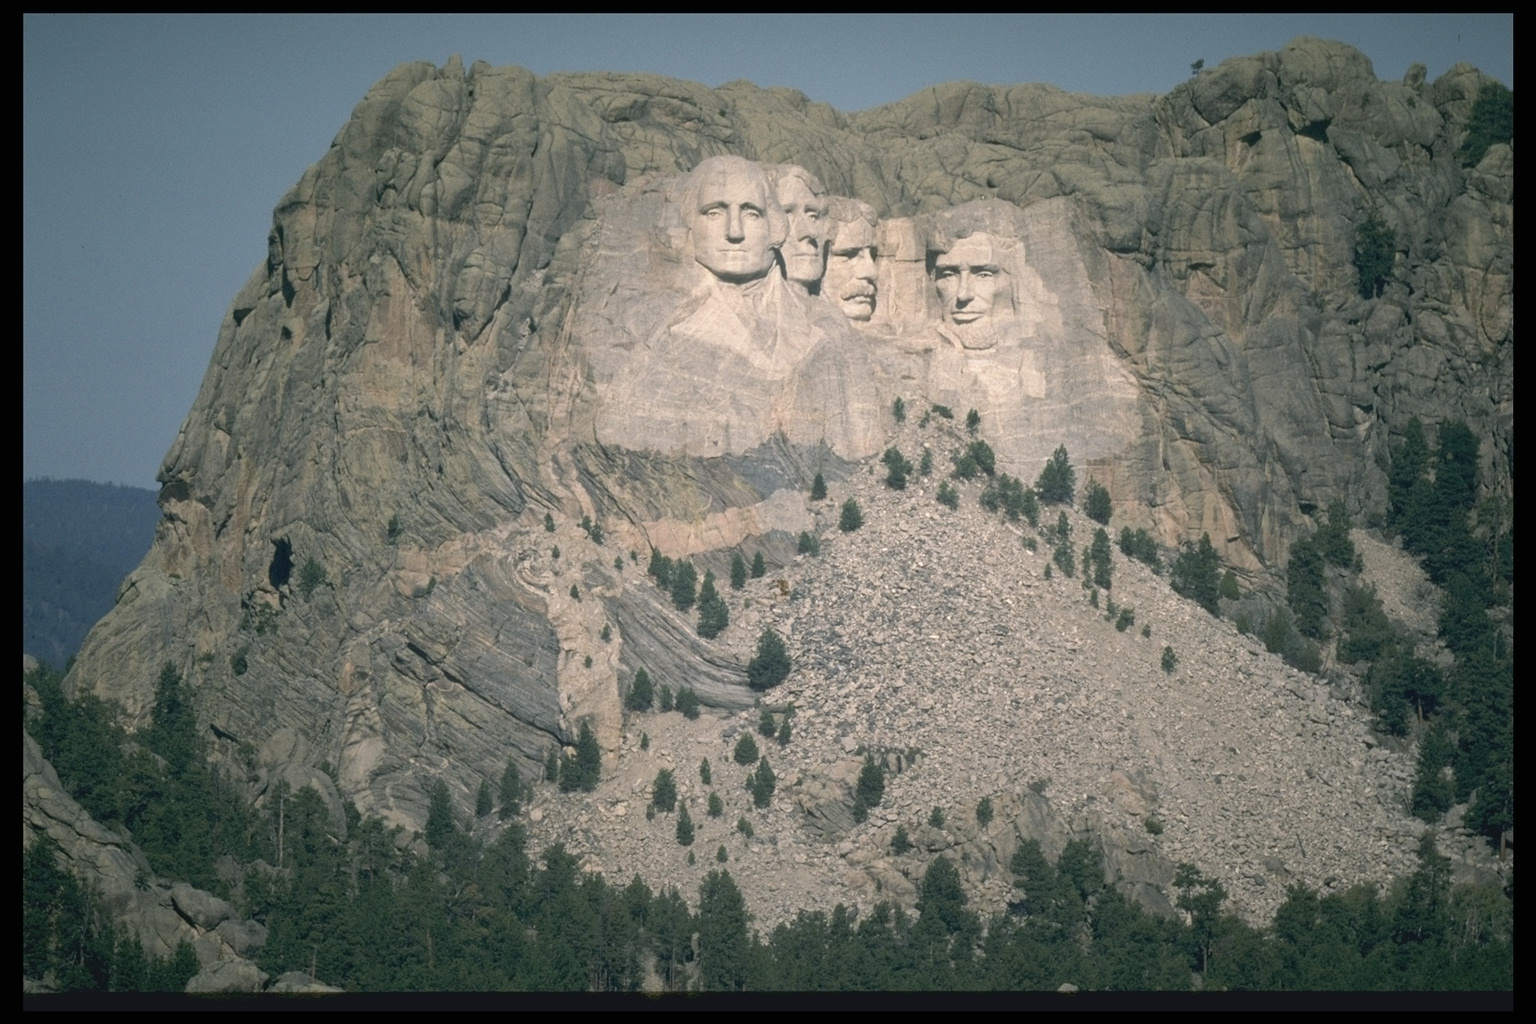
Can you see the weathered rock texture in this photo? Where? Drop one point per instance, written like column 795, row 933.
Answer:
column 416, row 375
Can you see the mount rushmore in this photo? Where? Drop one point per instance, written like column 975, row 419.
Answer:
column 663, row 309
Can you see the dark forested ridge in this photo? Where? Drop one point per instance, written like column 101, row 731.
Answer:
column 79, row 539
column 466, row 907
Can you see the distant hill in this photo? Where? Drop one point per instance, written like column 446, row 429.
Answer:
column 79, row 539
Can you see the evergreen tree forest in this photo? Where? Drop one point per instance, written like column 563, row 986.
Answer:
column 472, row 909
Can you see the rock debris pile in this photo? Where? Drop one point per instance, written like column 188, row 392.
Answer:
column 934, row 640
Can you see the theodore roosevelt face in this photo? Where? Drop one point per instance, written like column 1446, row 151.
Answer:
column 970, row 280
column 850, row 275
column 731, row 234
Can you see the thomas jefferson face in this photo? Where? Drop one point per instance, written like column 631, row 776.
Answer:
column 969, row 280
column 807, row 213
column 731, row 234
column 850, row 277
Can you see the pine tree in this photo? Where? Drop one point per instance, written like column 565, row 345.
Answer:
column 899, row 410
column 1195, row 575
column 763, row 784
column 664, row 791
column 765, row 723
column 587, row 765
column 819, row 488
column 897, row 469
column 1375, row 252
column 1064, row 559
column 1058, row 481
column 972, row 422
column 552, row 765
column 714, row 614
column 641, row 693
column 440, row 827
column 759, row 569
column 725, row 950
column 684, row 827
column 871, row 786
column 852, row 516
column 687, row 703
column 771, row 665
column 746, row 749
column 483, row 801
column 660, row 569
column 1096, row 503
column 942, row 896
column 511, row 791
column 901, row 842
column 738, row 571
column 684, row 580
column 1100, row 554
column 706, row 774
column 1228, row 588
column 1304, row 588
column 1491, row 122
column 716, row 805
column 984, row 811
column 1332, row 539
column 784, row 732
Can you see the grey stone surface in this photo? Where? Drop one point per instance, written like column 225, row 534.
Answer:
column 228, row 976
column 299, row 983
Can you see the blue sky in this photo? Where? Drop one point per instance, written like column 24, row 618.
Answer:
column 155, row 147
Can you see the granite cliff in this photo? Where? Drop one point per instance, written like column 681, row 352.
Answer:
column 479, row 309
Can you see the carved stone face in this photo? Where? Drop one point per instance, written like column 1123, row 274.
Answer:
column 807, row 213
column 731, row 234
column 850, row 277
column 970, row 280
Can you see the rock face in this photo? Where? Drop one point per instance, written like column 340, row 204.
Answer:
column 499, row 297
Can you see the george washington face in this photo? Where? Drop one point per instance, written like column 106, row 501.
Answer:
column 732, row 237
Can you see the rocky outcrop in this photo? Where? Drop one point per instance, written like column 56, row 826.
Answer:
column 161, row 915
column 472, row 297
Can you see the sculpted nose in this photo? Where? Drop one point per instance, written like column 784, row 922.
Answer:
column 965, row 293
column 864, row 265
column 733, row 229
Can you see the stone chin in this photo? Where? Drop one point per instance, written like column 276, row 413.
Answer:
column 803, row 267
column 736, row 266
